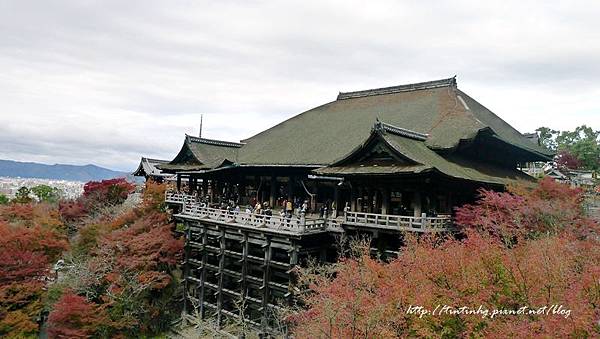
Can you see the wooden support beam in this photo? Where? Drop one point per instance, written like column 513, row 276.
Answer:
column 416, row 204
column 336, row 201
column 204, row 187
column 290, row 188
column 272, row 192
column 203, row 272
column 265, row 282
column 244, row 261
column 220, row 286
column 186, row 265
column 385, row 200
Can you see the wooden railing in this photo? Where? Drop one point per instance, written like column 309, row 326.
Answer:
column 175, row 197
column 300, row 224
column 295, row 224
column 399, row 222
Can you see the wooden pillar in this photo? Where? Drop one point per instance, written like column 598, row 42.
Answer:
column 416, row 204
column 178, row 182
column 204, row 187
column 272, row 191
column 290, row 188
column 220, row 286
column 186, row 267
column 244, row 262
column 313, row 199
column 265, row 281
column 203, row 272
column 359, row 202
column 336, row 201
column 293, row 255
column 385, row 200
column 369, row 200
column 353, row 199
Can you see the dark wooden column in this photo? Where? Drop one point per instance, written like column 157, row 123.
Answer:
column 272, row 191
column 203, row 272
column 220, row 286
column 290, row 187
column 186, row 267
column 336, row 201
column 385, row 200
column 265, row 281
column 204, row 187
column 416, row 204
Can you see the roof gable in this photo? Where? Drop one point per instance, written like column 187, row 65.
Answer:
column 415, row 157
column 148, row 167
column 202, row 154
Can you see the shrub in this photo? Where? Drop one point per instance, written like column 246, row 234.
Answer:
column 75, row 317
column 106, row 192
column 527, row 212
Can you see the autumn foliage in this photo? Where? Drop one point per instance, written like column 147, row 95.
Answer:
column 125, row 268
column 117, row 278
column 75, row 317
column 106, row 192
column 26, row 255
column 525, row 212
column 552, row 259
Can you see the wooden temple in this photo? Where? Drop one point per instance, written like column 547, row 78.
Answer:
column 378, row 162
column 149, row 170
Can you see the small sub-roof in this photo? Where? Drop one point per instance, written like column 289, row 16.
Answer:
column 391, row 150
column 198, row 154
column 148, row 167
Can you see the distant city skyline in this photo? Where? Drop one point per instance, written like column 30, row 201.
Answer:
column 105, row 83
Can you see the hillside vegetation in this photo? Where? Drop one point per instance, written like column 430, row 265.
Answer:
column 115, row 271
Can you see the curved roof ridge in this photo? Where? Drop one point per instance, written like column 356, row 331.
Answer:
column 385, row 127
column 213, row 141
column 400, row 88
column 154, row 160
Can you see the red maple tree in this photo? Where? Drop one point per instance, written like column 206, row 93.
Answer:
column 553, row 263
column 74, row 317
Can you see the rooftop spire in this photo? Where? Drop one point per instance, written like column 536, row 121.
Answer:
column 200, row 133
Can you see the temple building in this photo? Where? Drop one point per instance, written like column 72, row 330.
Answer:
column 377, row 162
column 147, row 169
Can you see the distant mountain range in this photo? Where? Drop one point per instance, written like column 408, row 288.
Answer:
column 9, row 168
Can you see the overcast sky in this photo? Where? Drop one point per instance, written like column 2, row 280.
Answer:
column 105, row 82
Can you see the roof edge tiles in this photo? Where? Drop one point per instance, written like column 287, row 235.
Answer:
column 155, row 160
column 397, row 89
column 214, row 142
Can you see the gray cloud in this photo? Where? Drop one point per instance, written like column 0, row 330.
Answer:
column 105, row 82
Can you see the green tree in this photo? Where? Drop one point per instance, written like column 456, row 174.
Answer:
column 547, row 137
column 46, row 193
column 3, row 199
column 582, row 143
column 22, row 196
